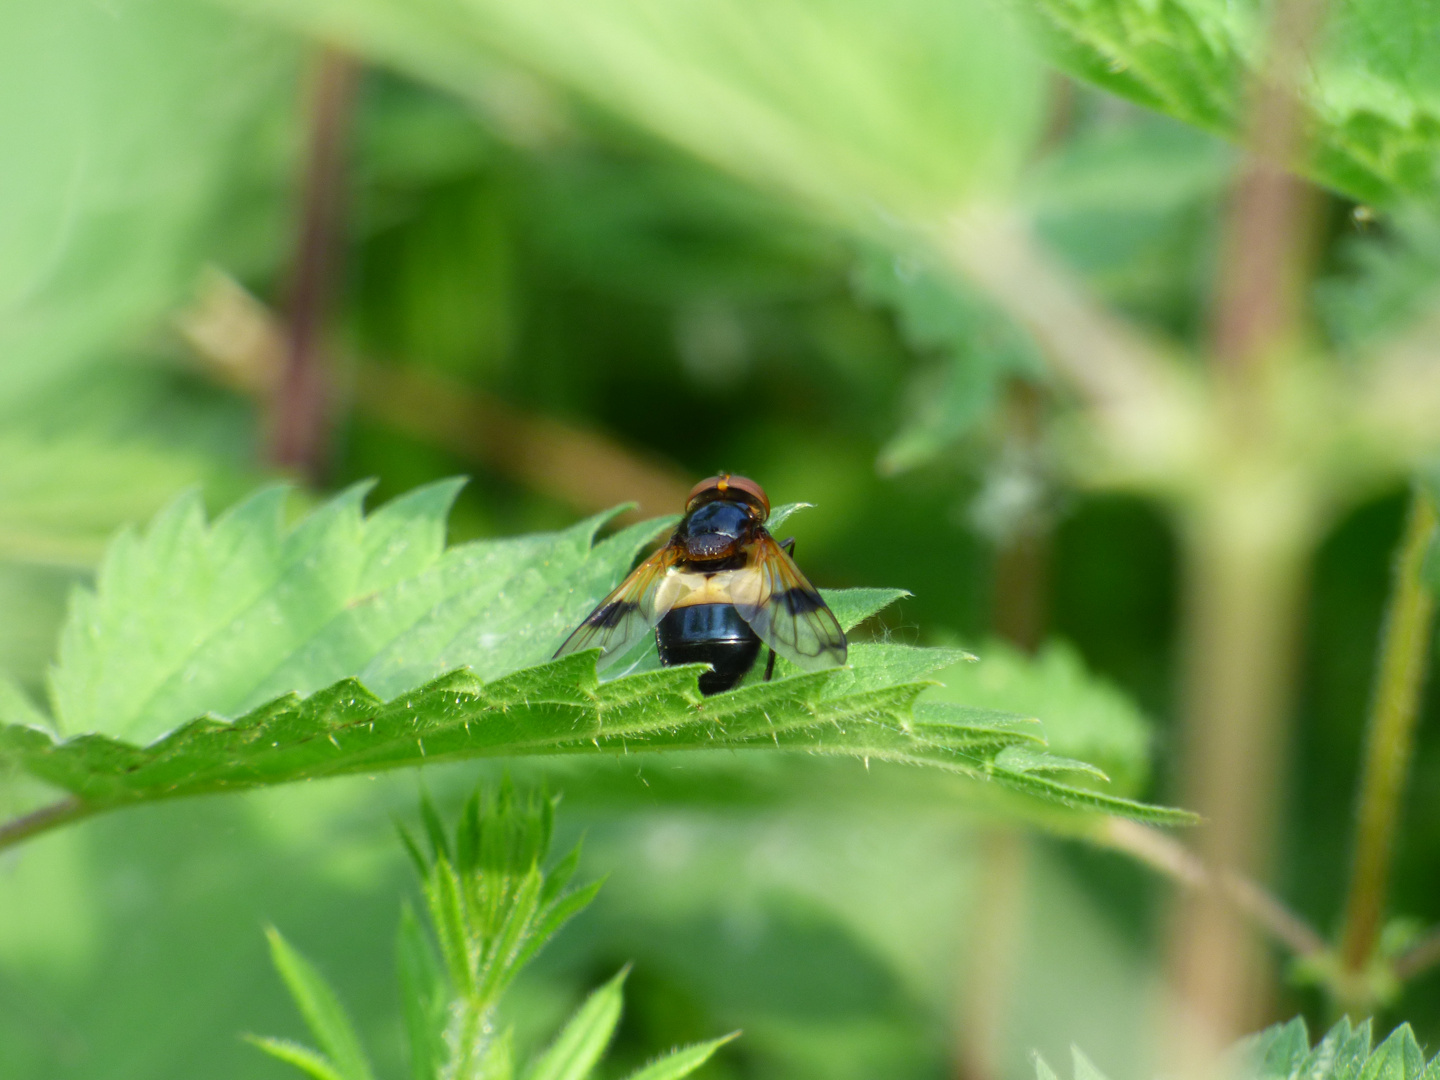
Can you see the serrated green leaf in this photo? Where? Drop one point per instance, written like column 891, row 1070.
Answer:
column 310, row 1062
column 1372, row 96
column 344, row 729
column 1079, row 798
column 558, row 707
column 582, row 1042
column 191, row 618
column 1397, row 1058
column 1282, row 1052
column 1319, row 1063
column 323, row 1013
column 196, row 616
column 1279, row 1051
column 1351, row 1049
column 1023, row 759
column 682, row 1061
column 854, row 606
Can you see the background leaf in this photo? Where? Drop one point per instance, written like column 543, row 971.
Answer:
column 913, row 108
column 148, row 124
column 972, row 352
column 1372, row 89
column 1086, row 717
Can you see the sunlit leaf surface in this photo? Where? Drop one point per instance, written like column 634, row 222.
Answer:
column 311, row 635
column 908, row 107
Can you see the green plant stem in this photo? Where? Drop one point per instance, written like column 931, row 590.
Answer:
column 62, row 812
column 1247, row 540
column 1389, row 741
column 471, row 1038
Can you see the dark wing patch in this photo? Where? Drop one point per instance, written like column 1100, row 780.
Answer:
column 784, row 609
column 628, row 613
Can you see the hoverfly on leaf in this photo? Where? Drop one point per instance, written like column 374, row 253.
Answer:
column 719, row 588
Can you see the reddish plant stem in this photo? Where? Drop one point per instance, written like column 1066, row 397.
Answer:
column 301, row 408
column 1022, row 561
column 61, row 812
column 1419, row 957
column 1248, row 534
column 1170, row 857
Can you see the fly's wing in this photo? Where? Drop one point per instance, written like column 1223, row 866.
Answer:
column 629, row 612
column 784, row 609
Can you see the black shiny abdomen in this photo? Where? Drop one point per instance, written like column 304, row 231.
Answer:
column 713, row 634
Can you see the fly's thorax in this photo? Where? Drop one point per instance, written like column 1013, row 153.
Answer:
column 717, row 530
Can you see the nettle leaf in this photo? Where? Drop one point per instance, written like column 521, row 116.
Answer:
column 191, row 618
column 347, row 643
column 1372, row 91
column 1283, row 1052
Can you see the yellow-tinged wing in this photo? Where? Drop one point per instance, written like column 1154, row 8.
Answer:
column 628, row 613
column 785, row 610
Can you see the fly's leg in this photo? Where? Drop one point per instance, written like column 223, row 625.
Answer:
column 787, row 546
